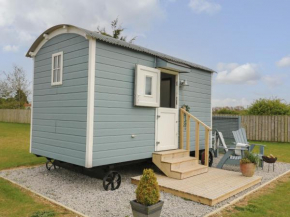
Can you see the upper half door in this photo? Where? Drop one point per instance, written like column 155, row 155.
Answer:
column 147, row 86
column 167, row 129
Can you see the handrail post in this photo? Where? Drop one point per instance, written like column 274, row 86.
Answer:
column 187, row 132
column 197, row 140
column 206, row 147
column 181, row 130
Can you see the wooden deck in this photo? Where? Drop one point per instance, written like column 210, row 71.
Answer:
column 208, row 188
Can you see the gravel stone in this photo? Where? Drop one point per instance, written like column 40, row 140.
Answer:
column 86, row 195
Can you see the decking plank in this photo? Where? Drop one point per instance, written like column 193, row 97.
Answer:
column 208, row 188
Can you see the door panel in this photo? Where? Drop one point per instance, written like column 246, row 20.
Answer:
column 166, row 129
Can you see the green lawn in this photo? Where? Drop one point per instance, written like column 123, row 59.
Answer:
column 14, row 152
column 278, row 149
column 14, row 146
column 16, row 202
column 272, row 202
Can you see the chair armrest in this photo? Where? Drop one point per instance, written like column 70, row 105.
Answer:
column 239, row 149
column 258, row 145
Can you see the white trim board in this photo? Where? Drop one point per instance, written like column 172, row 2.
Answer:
column 31, row 114
column 90, row 103
column 57, row 32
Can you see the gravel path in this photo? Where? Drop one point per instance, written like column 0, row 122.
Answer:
column 87, row 196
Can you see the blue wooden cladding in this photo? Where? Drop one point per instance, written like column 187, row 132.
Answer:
column 60, row 112
column 116, row 117
column 121, row 131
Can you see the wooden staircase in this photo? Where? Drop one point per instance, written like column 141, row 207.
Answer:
column 178, row 164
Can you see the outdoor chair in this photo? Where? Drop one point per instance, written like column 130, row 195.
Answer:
column 240, row 136
column 232, row 155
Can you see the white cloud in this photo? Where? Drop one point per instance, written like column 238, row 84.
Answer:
column 284, row 62
column 10, row 48
column 232, row 102
column 204, row 6
column 23, row 21
column 273, row 80
column 233, row 73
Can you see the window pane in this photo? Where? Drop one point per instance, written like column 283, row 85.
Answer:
column 54, row 76
column 148, row 86
column 55, row 62
column 58, row 75
column 58, row 61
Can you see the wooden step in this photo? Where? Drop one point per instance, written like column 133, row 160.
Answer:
column 177, row 164
column 182, row 162
column 172, row 154
column 191, row 171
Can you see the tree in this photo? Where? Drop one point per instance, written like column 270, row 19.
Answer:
column 116, row 31
column 273, row 106
column 14, row 88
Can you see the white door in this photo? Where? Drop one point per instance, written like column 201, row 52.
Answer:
column 166, row 129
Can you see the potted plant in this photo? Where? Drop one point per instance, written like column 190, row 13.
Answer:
column 248, row 164
column 147, row 201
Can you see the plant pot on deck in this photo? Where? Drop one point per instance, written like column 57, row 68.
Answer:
column 248, row 169
column 140, row 210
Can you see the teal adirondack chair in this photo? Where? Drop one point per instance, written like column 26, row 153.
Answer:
column 232, row 155
column 240, row 136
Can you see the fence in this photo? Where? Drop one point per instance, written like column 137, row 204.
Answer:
column 226, row 124
column 15, row 115
column 265, row 128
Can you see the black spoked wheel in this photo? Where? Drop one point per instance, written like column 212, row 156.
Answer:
column 210, row 158
column 112, row 181
column 50, row 164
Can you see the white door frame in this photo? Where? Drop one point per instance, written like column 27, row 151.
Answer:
column 176, row 103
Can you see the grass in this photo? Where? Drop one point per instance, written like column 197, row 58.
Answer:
column 278, row 149
column 271, row 201
column 15, row 201
column 14, row 146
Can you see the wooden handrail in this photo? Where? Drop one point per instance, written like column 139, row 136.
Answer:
column 197, row 125
column 195, row 118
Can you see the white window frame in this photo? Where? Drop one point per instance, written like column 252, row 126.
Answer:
column 60, row 68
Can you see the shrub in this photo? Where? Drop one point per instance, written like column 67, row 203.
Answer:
column 147, row 192
column 250, row 158
column 269, row 107
column 238, row 110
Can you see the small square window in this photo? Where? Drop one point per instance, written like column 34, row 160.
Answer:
column 56, row 69
column 148, row 86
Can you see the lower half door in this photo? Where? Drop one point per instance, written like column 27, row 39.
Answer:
column 166, row 129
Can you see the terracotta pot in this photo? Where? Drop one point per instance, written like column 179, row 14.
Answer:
column 248, row 169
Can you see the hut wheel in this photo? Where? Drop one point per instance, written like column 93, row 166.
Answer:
column 210, row 158
column 50, row 164
column 112, row 181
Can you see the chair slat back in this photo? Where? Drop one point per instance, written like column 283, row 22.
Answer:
column 244, row 135
column 240, row 136
column 222, row 140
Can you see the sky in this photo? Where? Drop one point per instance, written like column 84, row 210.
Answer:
column 246, row 42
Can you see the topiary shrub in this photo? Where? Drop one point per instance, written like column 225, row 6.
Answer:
column 147, row 192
